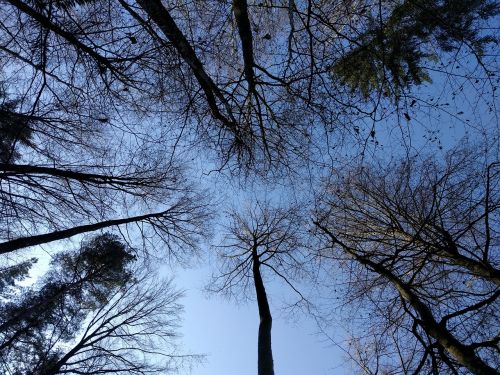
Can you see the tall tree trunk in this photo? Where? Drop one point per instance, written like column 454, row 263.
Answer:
column 162, row 18
column 462, row 353
column 265, row 353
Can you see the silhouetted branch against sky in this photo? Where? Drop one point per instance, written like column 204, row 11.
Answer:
column 261, row 243
column 151, row 120
column 419, row 234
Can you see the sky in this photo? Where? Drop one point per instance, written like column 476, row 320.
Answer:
column 227, row 333
column 225, row 330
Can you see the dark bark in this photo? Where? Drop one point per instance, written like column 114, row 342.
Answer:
column 265, row 354
column 7, row 170
column 46, row 23
column 162, row 18
column 19, row 243
column 240, row 9
column 86, row 341
column 7, row 344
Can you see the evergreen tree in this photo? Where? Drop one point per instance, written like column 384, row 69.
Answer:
column 14, row 129
column 11, row 274
column 389, row 56
column 35, row 324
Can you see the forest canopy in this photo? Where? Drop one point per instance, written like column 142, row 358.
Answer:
column 343, row 151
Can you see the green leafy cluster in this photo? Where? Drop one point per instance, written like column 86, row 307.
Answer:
column 102, row 261
column 388, row 56
column 10, row 275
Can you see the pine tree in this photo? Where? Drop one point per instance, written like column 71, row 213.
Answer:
column 78, row 282
column 390, row 55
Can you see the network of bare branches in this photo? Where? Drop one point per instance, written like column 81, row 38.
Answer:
column 272, row 238
column 261, row 83
column 94, row 311
column 260, row 242
column 103, row 103
column 133, row 333
column 419, row 242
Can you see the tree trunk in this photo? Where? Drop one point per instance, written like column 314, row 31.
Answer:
column 162, row 18
column 462, row 353
column 265, row 353
column 40, row 239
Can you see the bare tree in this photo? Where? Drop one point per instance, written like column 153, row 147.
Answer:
column 133, row 333
column 99, row 96
column 66, row 166
column 262, row 241
column 46, row 196
column 420, row 240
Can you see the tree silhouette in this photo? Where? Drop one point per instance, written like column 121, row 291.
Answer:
column 420, row 239
column 260, row 91
column 90, row 313
column 104, row 104
column 389, row 55
column 262, row 240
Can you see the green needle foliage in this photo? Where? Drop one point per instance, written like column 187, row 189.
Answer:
column 10, row 275
column 388, row 57
column 35, row 324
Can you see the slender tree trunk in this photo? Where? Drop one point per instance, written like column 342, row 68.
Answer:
column 477, row 268
column 46, row 23
column 265, row 353
column 240, row 9
column 162, row 18
column 8, row 170
column 56, row 368
column 22, row 242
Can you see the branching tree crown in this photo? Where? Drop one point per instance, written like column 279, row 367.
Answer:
column 262, row 241
column 91, row 313
column 419, row 242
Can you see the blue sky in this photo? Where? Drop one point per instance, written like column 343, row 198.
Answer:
column 227, row 333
